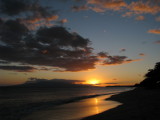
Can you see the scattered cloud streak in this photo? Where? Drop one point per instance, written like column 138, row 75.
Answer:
column 80, row 8
column 158, row 19
column 154, row 31
column 114, row 60
column 134, row 7
column 140, row 18
column 102, row 54
column 15, row 7
column 143, row 7
column 137, row 8
column 104, row 5
column 157, row 42
column 122, row 50
column 117, row 60
column 61, row 22
column 28, row 12
column 141, row 54
column 17, row 68
column 111, row 83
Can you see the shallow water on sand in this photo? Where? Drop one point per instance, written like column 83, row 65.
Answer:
column 54, row 103
column 76, row 110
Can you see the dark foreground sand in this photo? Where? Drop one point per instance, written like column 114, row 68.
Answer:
column 138, row 104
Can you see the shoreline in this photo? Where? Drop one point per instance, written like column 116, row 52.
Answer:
column 13, row 107
column 24, row 110
column 74, row 111
column 137, row 104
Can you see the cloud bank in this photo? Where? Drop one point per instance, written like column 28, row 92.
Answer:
column 46, row 45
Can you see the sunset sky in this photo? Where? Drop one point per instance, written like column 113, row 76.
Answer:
column 113, row 41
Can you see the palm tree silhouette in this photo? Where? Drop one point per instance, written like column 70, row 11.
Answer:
column 152, row 78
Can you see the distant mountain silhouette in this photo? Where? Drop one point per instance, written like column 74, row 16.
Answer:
column 152, row 78
column 53, row 83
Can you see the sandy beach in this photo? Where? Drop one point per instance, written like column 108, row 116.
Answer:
column 138, row 104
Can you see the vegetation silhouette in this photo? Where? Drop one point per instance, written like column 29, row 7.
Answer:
column 152, row 78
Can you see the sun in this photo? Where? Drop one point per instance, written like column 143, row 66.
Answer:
column 93, row 81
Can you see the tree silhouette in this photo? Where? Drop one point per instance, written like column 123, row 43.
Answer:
column 152, row 78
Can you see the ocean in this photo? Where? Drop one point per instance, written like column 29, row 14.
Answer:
column 20, row 103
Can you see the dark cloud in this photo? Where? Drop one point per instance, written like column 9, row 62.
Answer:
column 18, row 68
column 80, row 8
column 53, row 46
column 14, row 7
column 12, row 31
column 102, row 54
column 116, row 60
column 110, row 83
column 122, row 50
column 157, row 42
column 47, row 46
column 141, row 54
column 107, row 59
column 29, row 12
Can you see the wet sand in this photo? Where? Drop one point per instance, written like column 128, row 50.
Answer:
column 75, row 110
column 138, row 104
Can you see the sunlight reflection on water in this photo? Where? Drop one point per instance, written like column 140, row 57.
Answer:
column 76, row 110
column 96, row 105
